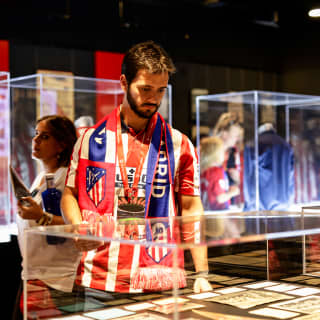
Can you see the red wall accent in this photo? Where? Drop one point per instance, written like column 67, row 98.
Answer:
column 107, row 66
column 4, row 55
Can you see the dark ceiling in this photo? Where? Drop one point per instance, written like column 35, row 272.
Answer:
column 178, row 24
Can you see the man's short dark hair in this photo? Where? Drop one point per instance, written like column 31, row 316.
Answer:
column 149, row 56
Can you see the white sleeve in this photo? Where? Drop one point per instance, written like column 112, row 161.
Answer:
column 72, row 171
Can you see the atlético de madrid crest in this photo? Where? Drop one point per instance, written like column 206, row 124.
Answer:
column 158, row 232
column 96, row 184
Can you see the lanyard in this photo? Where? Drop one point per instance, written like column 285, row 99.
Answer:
column 131, row 193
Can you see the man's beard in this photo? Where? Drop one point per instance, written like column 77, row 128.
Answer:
column 147, row 114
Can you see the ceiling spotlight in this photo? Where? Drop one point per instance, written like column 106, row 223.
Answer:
column 314, row 13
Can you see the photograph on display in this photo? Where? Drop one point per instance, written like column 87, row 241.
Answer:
column 75, row 317
column 220, row 316
column 139, row 306
column 171, row 308
column 284, row 287
column 278, row 314
column 306, row 291
column 309, row 317
column 248, row 299
column 169, row 301
column 310, row 304
column 143, row 316
column 230, row 290
column 107, row 314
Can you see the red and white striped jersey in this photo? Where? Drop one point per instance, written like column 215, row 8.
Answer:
column 111, row 267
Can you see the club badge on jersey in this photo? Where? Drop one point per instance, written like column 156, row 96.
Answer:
column 96, row 184
column 158, row 232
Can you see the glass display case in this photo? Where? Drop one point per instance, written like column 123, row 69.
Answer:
column 5, row 221
column 84, row 100
column 157, row 275
column 269, row 142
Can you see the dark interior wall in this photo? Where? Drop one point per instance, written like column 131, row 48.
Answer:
column 301, row 69
column 26, row 59
column 216, row 79
column 295, row 69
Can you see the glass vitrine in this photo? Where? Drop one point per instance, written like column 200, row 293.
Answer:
column 270, row 146
column 5, row 216
column 156, row 276
column 84, row 100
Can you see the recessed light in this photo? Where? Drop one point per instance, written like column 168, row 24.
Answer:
column 314, row 13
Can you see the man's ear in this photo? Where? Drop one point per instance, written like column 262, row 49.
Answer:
column 123, row 83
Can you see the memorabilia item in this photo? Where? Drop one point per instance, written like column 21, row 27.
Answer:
column 19, row 188
column 269, row 312
column 107, row 314
column 203, row 295
column 284, row 287
column 310, row 304
column 143, row 316
column 170, row 308
column 304, row 291
column 230, row 290
column 314, row 316
column 249, row 298
column 314, row 281
column 260, row 285
column 139, row 306
column 165, row 301
column 220, row 316
column 296, row 279
column 219, row 278
column 76, row 317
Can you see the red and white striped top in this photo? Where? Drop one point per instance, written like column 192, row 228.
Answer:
column 111, row 267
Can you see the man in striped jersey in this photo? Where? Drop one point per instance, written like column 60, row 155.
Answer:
column 132, row 164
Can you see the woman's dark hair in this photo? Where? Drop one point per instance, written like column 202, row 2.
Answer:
column 149, row 56
column 64, row 131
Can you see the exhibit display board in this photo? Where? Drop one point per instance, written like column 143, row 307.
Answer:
column 270, row 142
column 156, row 276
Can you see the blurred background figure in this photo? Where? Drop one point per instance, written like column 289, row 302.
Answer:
column 229, row 129
column 276, row 172
column 215, row 190
column 82, row 124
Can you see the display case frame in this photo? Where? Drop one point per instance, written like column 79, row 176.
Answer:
column 5, row 203
column 214, row 232
column 85, row 100
column 288, row 113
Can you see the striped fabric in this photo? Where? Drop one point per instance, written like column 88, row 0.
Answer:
column 112, row 267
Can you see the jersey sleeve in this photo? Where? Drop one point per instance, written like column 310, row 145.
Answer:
column 71, row 179
column 187, row 180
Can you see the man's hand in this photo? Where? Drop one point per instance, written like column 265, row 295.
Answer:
column 201, row 285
